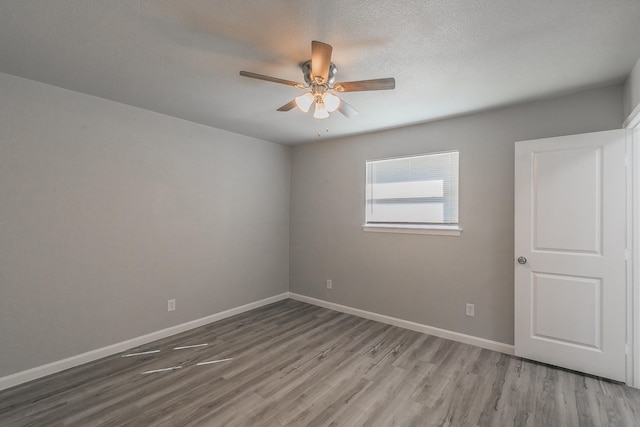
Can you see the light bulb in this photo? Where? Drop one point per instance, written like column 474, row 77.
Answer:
column 320, row 111
column 331, row 102
column 303, row 102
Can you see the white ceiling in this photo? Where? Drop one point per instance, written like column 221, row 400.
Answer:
column 449, row 57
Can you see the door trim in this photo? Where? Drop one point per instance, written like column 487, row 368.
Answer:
column 632, row 264
column 633, row 284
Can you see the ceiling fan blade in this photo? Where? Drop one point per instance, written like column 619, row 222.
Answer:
column 362, row 85
column 346, row 109
column 320, row 60
column 271, row 79
column 288, row 106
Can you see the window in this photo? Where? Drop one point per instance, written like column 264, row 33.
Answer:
column 413, row 193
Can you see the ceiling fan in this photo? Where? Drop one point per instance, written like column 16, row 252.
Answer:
column 319, row 75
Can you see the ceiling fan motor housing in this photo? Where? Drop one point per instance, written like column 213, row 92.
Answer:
column 306, row 70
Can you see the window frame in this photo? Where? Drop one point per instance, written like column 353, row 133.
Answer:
column 442, row 229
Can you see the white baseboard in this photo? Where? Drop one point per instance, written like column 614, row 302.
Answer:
column 61, row 365
column 430, row 330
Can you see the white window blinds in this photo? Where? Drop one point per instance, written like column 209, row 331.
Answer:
column 413, row 190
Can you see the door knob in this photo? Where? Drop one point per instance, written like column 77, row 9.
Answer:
column 522, row 260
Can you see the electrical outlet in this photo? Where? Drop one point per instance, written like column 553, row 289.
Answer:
column 329, row 284
column 471, row 310
column 171, row 305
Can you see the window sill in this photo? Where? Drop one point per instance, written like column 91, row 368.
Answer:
column 438, row 230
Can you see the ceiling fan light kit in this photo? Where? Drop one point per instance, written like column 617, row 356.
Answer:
column 304, row 102
column 332, row 102
column 321, row 111
column 319, row 74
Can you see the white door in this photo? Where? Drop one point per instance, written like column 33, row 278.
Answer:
column 570, row 240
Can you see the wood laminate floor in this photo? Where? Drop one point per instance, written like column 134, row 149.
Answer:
column 294, row 364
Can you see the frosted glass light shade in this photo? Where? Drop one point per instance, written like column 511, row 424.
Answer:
column 303, row 102
column 320, row 111
column 331, row 102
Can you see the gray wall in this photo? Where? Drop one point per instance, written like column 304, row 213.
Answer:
column 424, row 278
column 631, row 91
column 107, row 211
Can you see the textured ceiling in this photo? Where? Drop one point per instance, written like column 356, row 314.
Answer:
column 449, row 57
